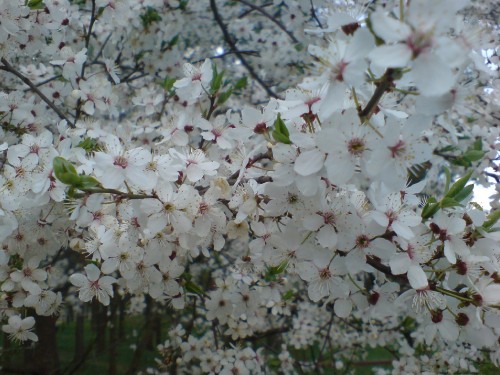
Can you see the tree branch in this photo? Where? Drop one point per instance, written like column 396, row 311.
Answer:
column 232, row 44
column 84, row 65
column 385, row 83
column 314, row 15
column 270, row 17
column 247, row 12
column 9, row 68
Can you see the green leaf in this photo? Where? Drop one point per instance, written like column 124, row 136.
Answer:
column 150, row 16
column 491, row 220
column 431, row 200
column 280, row 132
column 459, row 160
column 223, row 97
column 278, row 269
column 289, row 294
column 241, row 83
column 298, row 47
column 65, row 171
column 278, row 137
column 35, row 4
column 280, row 126
column 216, row 83
column 168, row 45
column 87, row 182
column 458, row 186
column 168, row 83
column 448, row 179
column 447, row 149
column 473, row 155
column 478, row 145
column 430, row 210
column 448, row 202
column 466, row 192
column 89, row 145
column 193, row 288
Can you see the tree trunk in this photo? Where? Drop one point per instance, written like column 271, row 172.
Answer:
column 113, row 337
column 146, row 338
column 79, row 337
column 121, row 318
column 100, row 324
column 45, row 356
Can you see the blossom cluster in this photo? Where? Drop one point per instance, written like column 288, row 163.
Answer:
column 330, row 201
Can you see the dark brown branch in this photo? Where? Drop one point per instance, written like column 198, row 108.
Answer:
column 377, row 264
column 48, row 80
column 385, row 84
column 271, row 332
column 84, row 65
column 247, row 12
column 88, row 34
column 230, row 52
column 314, row 15
column 9, row 68
column 496, row 177
column 233, row 47
column 270, row 17
column 386, row 362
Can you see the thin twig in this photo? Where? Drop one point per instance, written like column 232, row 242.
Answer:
column 88, row 34
column 270, row 17
column 9, row 68
column 233, row 47
column 247, row 12
column 48, row 80
column 99, row 54
column 385, row 84
column 230, row 52
column 314, row 15
column 84, row 65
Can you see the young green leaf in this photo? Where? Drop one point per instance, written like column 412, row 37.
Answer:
column 216, row 83
column 458, row 186
column 464, row 193
column 224, row 96
column 491, row 220
column 241, row 83
column 65, row 171
column 473, row 155
column 429, row 210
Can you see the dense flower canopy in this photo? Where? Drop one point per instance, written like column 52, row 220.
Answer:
column 304, row 169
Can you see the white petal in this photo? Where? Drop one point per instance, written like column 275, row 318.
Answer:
column 327, row 237
column 309, row 162
column 93, row 272
column 448, row 330
column 139, row 156
column 417, row 277
column 78, row 280
column 400, row 263
column 449, row 253
column 402, row 230
column 342, row 308
column 393, row 56
column 432, row 76
column 313, row 222
column 194, row 173
column 389, row 28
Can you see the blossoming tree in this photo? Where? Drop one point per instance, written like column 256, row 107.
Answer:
column 286, row 183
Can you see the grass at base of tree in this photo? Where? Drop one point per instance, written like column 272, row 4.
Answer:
column 95, row 363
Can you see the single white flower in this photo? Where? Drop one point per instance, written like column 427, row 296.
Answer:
column 20, row 329
column 92, row 285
